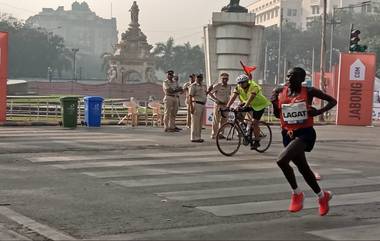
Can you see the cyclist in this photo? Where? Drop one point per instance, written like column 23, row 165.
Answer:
column 292, row 105
column 252, row 101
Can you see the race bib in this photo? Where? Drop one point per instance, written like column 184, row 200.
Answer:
column 295, row 113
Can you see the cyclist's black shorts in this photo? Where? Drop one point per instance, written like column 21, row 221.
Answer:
column 307, row 135
column 255, row 114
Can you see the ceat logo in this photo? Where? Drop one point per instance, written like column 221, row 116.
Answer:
column 357, row 70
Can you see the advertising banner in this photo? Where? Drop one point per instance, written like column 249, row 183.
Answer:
column 3, row 75
column 355, row 89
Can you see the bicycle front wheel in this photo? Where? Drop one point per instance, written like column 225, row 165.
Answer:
column 265, row 137
column 228, row 139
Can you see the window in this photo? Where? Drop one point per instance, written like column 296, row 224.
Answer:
column 294, row 12
column 271, row 14
column 315, row 9
column 276, row 12
column 289, row 12
column 351, row 8
column 366, row 8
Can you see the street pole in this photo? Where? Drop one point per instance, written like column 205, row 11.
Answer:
column 285, row 66
column 50, row 72
column 74, row 65
column 279, row 48
column 313, row 67
column 332, row 37
column 323, row 52
column 266, row 62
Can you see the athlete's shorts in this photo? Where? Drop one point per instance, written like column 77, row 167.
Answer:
column 255, row 114
column 307, row 135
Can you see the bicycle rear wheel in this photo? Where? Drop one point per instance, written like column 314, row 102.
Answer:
column 265, row 137
column 228, row 139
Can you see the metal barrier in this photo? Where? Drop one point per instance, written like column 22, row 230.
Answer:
column 48, row 108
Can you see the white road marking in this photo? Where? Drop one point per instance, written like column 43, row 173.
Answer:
column 42, row 229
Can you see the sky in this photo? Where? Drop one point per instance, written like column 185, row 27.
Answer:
column 159, row 19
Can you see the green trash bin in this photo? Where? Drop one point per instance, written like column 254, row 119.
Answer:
column 69, row 109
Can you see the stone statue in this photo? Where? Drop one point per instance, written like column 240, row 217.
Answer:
column 135, row 13
column 234, row 7
column 112, row 74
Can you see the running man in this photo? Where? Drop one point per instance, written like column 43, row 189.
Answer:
column 252, row 101
column 292, row 104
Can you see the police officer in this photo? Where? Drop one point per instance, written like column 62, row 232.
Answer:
column 186, row 88
column 198, row 97
column 171, row 102
column 220, row 92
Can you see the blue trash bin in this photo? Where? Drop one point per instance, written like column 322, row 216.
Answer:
column 93, row 111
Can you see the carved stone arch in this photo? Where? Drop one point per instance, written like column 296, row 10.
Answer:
column 134, row 77
column 150, row 75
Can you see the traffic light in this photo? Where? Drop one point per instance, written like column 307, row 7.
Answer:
column 354, row 42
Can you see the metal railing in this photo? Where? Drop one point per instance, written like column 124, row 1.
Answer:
column 48, row 108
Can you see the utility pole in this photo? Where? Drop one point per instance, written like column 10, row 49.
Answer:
column 266, row 63
column 322, row 82
column 332, row 37
column 279, row 47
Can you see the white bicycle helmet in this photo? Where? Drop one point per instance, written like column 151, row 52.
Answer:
column 242, row 78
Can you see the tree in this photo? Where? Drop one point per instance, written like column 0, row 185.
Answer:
column 298, row 45
column 32, row 51
column 183, row 59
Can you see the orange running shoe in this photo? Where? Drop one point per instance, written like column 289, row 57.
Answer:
column 296, row 202
column 324, row 203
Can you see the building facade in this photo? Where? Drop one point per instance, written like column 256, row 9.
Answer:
column 301, row 12
column 80, row 28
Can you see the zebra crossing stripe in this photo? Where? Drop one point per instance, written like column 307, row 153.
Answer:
column 261, row 189
column 282, row 205
column 180, row 170
column 119, row 156
column 127, row 163
column 217, row 178
column 364, row 232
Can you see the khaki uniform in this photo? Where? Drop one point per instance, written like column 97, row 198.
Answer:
column 222, row 93
column 171, row 102
column 198, row 93
column 186, row 88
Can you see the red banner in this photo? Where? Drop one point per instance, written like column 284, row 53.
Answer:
column 355, row 89
column 3, row 75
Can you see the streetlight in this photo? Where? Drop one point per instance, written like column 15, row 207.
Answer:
column 74, row 64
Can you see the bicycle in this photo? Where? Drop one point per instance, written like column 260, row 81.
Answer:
column 236, row 134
